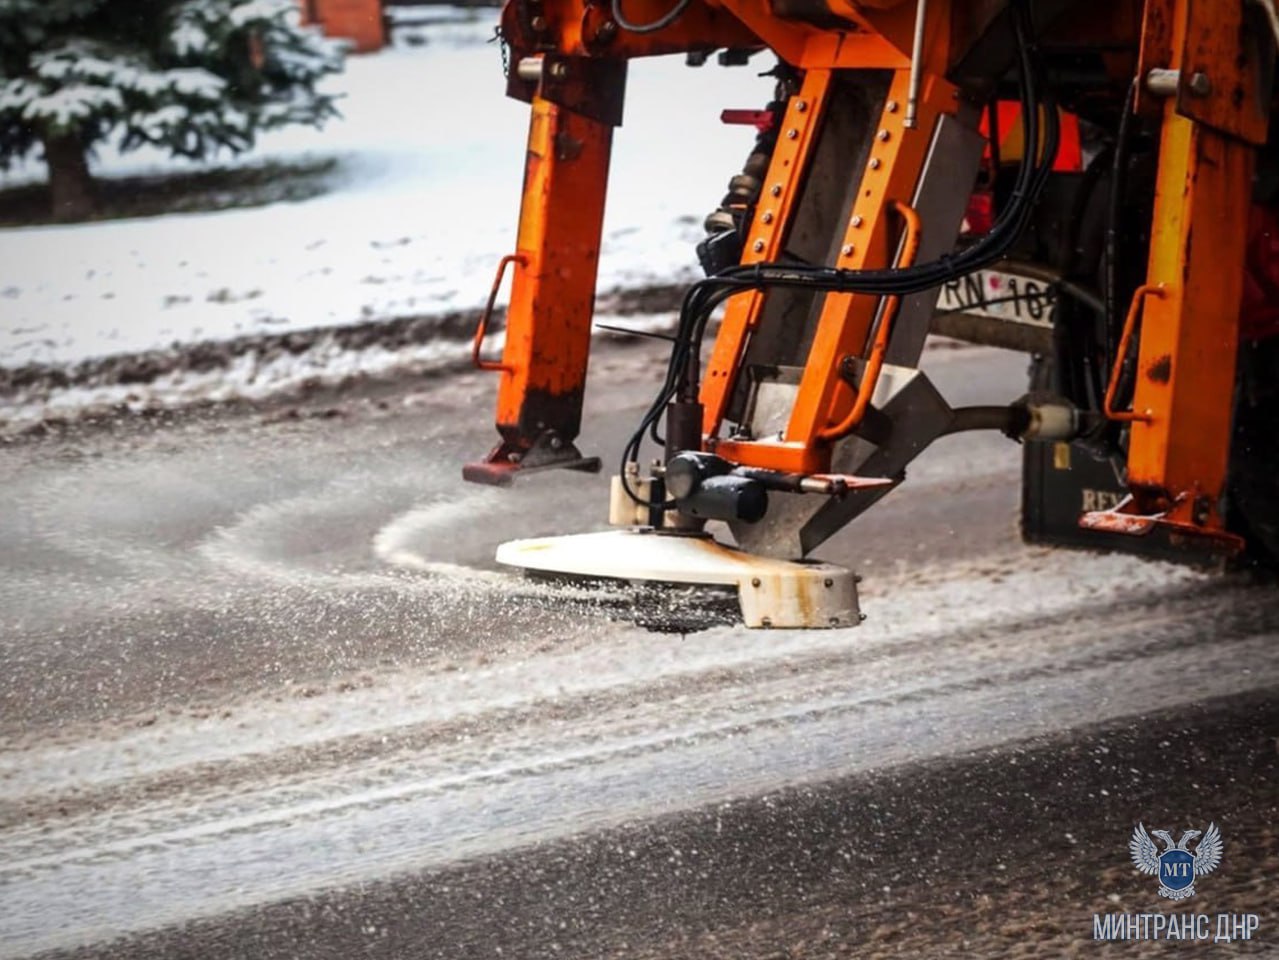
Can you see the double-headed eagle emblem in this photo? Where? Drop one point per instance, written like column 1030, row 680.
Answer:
column 1176, row 867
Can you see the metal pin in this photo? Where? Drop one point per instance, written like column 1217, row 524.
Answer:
column 916, row 71
column 1162, row 82
column 529, row 69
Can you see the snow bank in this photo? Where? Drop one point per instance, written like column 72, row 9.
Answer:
column 424, row 200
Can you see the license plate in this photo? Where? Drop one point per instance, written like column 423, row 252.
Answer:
column 1003, row 296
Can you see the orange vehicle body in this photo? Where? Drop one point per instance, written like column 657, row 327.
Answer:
column 1212, row 106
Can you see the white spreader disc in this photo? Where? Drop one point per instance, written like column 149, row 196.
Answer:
column 772, row 593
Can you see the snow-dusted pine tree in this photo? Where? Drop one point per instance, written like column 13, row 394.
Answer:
column 190, row 76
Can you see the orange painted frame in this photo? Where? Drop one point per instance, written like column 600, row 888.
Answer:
column 1178, row 452
column 552, row 294
column 1183, row 399
column 544, row 361
column 773, row 214
column 824, row 399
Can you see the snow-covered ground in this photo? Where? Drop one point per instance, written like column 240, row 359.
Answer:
column 423, row 201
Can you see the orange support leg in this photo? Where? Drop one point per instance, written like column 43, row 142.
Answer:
column 1184, row 395
column 548, row 331
column 1183, row 399
column 1186, row 367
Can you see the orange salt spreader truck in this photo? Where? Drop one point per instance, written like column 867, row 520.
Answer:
column 893, row 190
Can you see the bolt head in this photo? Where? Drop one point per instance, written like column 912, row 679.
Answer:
column 792, row 133
column 767, row 216
column 1200, row 84
column 874, row 163
column 856, row 221
column 847, row 249
column 758, row 246
column 882, row 136
column 538, row 24
column 754, row 581
column 776, row 190
column 800, row 106
column 891, row 106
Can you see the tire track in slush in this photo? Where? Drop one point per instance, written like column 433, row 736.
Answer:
column 951, row 661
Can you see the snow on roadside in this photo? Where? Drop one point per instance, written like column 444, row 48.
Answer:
column 424, row 201
column 263, row 371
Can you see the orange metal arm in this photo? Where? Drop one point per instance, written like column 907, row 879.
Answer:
column 782, row 186
column 845, row 321
column 875, row 363
column 548, row 330
column 1179, row 443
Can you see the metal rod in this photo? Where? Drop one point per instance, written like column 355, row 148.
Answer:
column 916, row 72
column 1130, row 322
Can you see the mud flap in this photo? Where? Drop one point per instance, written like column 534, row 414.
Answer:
column 1062, row 481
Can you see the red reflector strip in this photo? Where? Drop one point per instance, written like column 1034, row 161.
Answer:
column 760, row 119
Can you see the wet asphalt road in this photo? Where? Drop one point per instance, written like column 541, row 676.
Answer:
column 265, row 695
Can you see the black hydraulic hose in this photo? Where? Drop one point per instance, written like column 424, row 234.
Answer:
column 703, row 297
column 1073, row 366
column 661, row 23
column 1114, row 213
column 1009, row 421
column 996, row 158
column 1032, row 175
column 1088, row 297
column 1068, row 258
column 1037, row 165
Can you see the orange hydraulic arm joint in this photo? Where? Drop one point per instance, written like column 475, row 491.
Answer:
column 576, row 102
